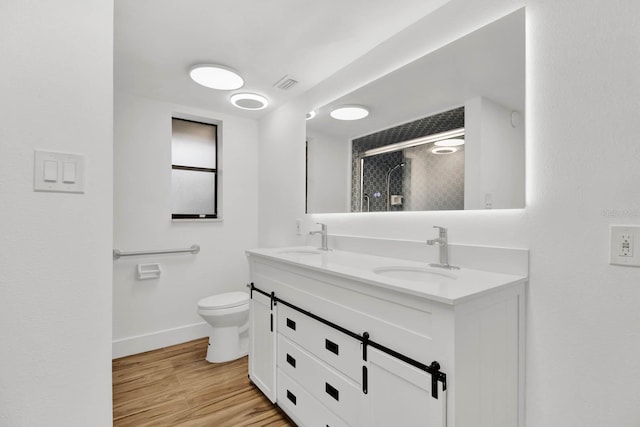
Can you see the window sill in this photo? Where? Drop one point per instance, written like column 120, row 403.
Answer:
column 197, row 219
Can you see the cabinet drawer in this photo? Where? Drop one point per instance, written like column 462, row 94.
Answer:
column 332, row 346
column 332, row 389
column 303, row 408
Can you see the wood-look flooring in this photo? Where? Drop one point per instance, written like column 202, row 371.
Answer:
column 176, row 386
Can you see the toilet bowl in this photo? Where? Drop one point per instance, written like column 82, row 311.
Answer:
column 228, row 317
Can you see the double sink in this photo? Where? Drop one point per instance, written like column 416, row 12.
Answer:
column 409, row 273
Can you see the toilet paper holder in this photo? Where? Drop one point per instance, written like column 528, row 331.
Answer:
column 148, row 271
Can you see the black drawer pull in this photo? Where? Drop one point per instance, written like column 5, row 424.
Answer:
column 291, row 397
column 332, row 391
column 290, row 360
column 365, row 380
column 331, row 346
column 291, row 324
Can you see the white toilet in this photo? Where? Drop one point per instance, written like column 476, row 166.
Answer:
column 228, row 315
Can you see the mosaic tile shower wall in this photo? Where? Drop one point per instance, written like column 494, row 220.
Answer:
column 433, row 181
column 431, row 190
column 376, row 169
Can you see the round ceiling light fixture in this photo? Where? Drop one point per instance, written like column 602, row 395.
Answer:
column 350, row 112
column 216, row 77
column 444, row 150
column 249, row 101
column 311, row 114
column 454, row 142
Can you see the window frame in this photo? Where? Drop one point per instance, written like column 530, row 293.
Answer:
column 215, row 171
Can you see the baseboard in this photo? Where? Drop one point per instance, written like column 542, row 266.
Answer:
column 155, row 340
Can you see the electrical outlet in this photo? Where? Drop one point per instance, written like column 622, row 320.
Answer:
column 622, row 245
column 625, row 245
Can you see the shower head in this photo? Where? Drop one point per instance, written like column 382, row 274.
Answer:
column 396, row 166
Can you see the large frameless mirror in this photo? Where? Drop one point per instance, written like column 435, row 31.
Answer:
column 445, row 132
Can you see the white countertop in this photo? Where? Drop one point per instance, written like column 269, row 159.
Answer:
column 443, row 285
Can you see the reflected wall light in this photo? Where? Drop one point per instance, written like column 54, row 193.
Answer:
column 349, row 112
column 455, row 142
column 444, row 150
column 442, row 136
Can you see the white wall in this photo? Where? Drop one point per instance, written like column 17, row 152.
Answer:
column 328, row 174
column 281, row 179
column 582, row 175
column 494, row 175
column 55, row 249
column 159, row 312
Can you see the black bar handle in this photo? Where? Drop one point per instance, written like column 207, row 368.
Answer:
column 291, row 397
column 434, row 379
column 365, row 380
column 271, row 322
column 331, row 346
column 365, row 343
column 291, row 324
column 332, row 391
column 291, row 360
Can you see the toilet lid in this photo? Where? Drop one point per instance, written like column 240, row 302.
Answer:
column 227, row 300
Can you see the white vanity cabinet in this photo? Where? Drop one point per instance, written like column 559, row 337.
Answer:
column 348, row 348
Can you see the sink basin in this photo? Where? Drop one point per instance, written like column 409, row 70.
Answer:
column 414, row 274
column 300, row 252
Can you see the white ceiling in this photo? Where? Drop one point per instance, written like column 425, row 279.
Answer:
column 157, row 41
column 489, row 62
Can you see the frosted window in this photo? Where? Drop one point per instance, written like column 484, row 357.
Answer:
column 194, row 169
column 193, row 144
column 193, row 192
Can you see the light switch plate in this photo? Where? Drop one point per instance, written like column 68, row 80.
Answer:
column 623, row 245
column 58, row 172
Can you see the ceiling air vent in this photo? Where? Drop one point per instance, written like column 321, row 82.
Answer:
column 285, row 83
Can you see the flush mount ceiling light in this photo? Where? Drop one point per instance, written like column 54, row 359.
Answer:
column 249, row 101
column 216, row 77
column 455, row 142
column 350, row 112
column 444, row 150
column 311, row 115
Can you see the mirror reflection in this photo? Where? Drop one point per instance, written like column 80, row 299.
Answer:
column 445, row 132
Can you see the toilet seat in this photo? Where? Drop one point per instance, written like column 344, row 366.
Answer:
column 226, row 300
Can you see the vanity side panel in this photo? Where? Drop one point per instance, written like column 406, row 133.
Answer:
column 489, row 360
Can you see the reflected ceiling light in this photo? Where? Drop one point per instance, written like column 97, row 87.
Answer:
column 454, row 142
column 447, row 135
column 444, row 150
column 350, row 112
column 216, row 77
column 249, row 101
column 311, row 114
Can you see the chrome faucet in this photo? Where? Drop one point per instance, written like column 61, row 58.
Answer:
column 443, row 242
column 323, row 232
